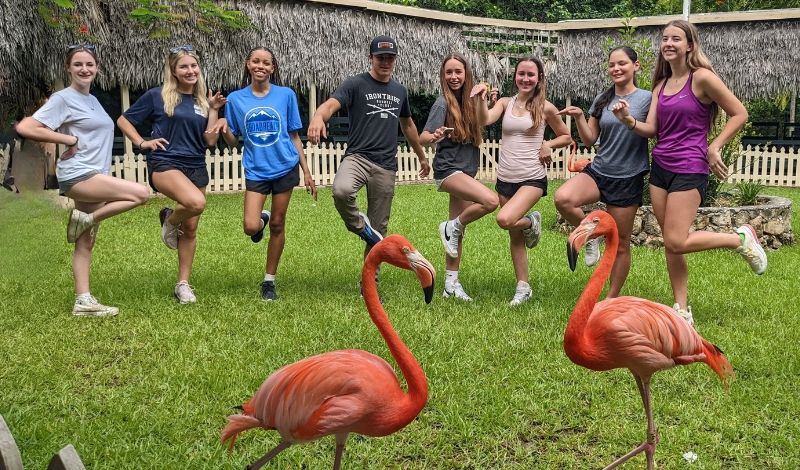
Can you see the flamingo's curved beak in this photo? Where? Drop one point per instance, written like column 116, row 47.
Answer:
column 425, row 273
column 578, row 238
column 572, row 256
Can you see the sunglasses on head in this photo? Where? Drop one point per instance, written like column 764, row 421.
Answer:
column 185, row 48
column 87, row 46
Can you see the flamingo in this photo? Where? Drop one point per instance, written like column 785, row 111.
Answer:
column 345, row 391
column 640, row 335
column 573, row 165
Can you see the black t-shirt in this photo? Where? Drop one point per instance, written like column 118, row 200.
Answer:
column 374, row 109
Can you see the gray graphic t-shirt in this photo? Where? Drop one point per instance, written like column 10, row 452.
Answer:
column 374, row 109
column 622, row 153
column 450, row 156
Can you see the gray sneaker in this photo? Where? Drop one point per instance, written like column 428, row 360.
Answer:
column 169, row 233
column 751, row 249
column 88, row 306
column 522, row 295
column 184, row 293
column 78, row 223
column 591, row 253
column 685, row 314
column 533, row 234
column 456, row 290
column 450, row 237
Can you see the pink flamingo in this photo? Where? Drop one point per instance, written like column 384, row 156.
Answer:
column 346, row 391
column 640, row 335
column 576, row 166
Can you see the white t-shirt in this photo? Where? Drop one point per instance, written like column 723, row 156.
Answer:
column 70, row 112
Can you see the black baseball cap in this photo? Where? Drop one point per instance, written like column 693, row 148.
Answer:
column 383, row 45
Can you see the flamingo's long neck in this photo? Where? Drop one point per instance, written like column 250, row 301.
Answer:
column 573, row 336
column 410, row 368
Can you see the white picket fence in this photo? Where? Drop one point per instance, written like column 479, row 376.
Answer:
column 772, row 166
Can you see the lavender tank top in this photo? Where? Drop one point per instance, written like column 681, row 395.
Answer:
column 519, row 155
column 683, row 126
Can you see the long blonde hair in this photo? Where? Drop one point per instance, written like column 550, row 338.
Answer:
column 535, row 103
column 462, row 113
column 695, row 58
column 169, row 89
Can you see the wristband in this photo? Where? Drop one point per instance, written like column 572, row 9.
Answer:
column 140, row 143
column 634, row 124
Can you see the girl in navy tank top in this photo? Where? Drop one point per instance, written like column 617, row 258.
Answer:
column 689, row 96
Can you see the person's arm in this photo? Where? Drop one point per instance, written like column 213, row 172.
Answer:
column 487, row 116
column 308, row 179
column 562, row 138
column 32, row 129
column 587, row 130
column 648, row 128
column 410, row 131
column 316, row 128
column 215, row 103
column 712, row 87
column 131, row 133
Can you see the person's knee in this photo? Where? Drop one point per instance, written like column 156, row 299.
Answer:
column 490, row 203
column 342, row 193
column 564, row 201
column 195, row 205
column 505, row 221
column 277, row 225
column 251, row 227
column 141, row 195
column 674, row 244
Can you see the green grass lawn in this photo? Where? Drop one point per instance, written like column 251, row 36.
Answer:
column 151, row 388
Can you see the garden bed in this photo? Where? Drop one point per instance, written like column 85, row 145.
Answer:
column 772, row 219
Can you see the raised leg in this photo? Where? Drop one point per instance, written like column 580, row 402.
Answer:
column 341, row 439
column 268, row 456
column 649, row 446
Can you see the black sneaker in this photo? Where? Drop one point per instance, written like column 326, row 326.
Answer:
column 369, row 234
column 268, row 291
column 258, row 236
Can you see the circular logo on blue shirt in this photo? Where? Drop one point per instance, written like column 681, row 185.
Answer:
column 263, row 126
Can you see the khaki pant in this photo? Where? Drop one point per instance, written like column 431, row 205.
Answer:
column 354, row 172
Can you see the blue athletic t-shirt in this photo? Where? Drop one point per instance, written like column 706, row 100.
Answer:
column 183, row 130
column 265, row 123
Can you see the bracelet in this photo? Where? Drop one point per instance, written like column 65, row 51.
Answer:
column 634, row 124
column 140, row 143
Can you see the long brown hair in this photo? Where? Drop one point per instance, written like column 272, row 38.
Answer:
column 695, row 58
column 535, row 103
column 462, row 113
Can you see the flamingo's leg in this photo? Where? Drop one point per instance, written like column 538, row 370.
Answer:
column 341, row 439
column 283, row 445
column 649, row 446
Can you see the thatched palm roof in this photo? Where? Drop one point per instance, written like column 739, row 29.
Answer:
column 755, row 59
column 321, row 42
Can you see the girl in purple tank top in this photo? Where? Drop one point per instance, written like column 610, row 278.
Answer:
column 689, row 95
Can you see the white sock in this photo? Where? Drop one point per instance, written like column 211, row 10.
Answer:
column 84, row 296
column 450, row 277
column 523, row 285
column 269, row 277
column 91, row 219
column 457, row 225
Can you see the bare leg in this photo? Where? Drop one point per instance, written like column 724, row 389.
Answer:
column 277, row 233
column 82, row 256
column 649, row 446
column 624, row 217
column 283, row 445
column 341, row 439
column 118, row 195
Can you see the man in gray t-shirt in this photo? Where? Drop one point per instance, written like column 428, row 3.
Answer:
column 376, row 104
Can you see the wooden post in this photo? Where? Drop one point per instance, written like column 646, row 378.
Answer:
column 312, row 101
column 569, row 131
column 124, row 93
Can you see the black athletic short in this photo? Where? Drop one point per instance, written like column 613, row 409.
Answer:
column 508, row 190
column 675, row 182
column 285, row 183
column 619, row 192
column 197, row 175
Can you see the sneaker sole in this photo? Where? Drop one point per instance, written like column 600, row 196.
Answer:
column 111, row 313
column 538, row 217
column 758, row 246
column 71, row 228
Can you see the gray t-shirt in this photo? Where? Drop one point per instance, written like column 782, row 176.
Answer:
column 622, row 153
column 374, row 109
column 450, row 156
column 70, row 112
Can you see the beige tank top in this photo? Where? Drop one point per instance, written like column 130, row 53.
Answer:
column 519, row 155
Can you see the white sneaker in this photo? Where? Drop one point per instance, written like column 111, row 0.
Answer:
column 685, row 314
column 522, row 295
column 591, row 253
column 456, row 290
column 88, row 306
column 450, row 237
column 751, row 249
column 533, row 234
column 169, row 232
column 78, row 223
column 184, row 293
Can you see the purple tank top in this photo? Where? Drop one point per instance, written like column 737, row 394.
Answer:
column 683, row 126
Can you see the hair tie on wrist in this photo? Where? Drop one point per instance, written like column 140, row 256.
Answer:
column 634, row 124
